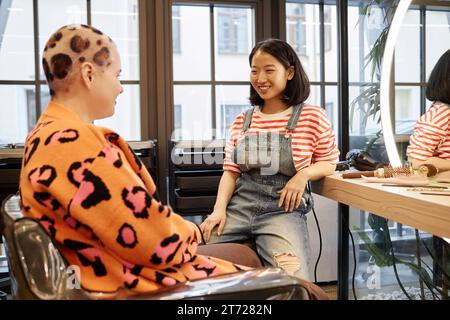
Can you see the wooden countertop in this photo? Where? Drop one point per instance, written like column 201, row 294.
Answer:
column 430, row 213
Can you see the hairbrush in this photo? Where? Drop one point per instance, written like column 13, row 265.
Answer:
column 389, row 172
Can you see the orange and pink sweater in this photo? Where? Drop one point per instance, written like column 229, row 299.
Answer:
column 99, row 203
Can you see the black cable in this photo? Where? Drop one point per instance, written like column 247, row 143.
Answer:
column 396, row 272
column 320, row 245
column 354, row 265
column 308, row 189
column 431, row 270
column 201, row 233
column 391, row 249
column 354, row 259
column 441, row 268
column 320, row 248
column 425, row 282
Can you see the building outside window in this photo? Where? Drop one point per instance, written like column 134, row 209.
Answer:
column 229, row 112
column 295, row 27
column 177, row 124
column 232, row 31
column 328, row 28
column 176, row 30
column 209, row 75
column 22, row 80
column 307, row 23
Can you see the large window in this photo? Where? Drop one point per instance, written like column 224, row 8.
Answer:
column 210, row 67
column 311, row 30
column 23, row 88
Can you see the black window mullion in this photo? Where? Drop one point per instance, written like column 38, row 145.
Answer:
column 322, row 53
column 37, row 70
column 88, row 12
column 21, row 82
column 410, row 84
column 343, row 142
column 213, row 70
column 423, row 59
column 200, row 82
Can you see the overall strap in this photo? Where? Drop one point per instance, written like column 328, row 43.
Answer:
column 248, row 119
column 292, row 123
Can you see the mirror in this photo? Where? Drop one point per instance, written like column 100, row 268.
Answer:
column 425, row 33
column 385, row 83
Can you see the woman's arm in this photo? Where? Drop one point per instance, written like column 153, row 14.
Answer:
column 227, row 183
column 218, row 216
column 291, row 194
column 440, row 164
column 325, row 154
column 430, row 131
column 225, row 191
column 318, row 170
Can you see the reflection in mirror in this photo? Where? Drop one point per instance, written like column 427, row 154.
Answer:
column 430, row 141
column 423, row 35
column 408, row 40
column 369, row 25
column 385, row 85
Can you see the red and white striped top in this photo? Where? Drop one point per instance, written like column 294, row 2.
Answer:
column 313, row 139
column 431, row 136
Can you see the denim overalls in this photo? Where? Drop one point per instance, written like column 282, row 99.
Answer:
column 281, row 238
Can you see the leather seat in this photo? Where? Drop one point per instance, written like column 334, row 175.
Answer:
column 39, row 271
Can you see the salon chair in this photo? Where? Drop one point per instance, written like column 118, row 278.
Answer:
column 39, row 271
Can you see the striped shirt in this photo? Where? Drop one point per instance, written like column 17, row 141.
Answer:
column 313, row 139
column 431, row 136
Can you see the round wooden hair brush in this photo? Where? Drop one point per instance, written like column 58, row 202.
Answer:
column 389, row 172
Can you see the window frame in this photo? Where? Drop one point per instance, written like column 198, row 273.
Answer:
column 422, row 83
column 157, row 105
column 213, row 83
column 38, row 81
column 322, row 83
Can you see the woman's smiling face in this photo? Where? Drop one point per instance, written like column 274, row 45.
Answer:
column 268, row 76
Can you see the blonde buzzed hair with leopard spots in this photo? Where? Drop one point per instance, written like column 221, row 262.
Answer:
column 68, row 48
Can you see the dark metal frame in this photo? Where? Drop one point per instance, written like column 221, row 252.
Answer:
column 343, row 142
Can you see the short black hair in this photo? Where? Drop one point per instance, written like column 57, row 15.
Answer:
column 298, row 88
column 438, row 86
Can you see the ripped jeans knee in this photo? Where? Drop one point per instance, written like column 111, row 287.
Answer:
column 288, row 261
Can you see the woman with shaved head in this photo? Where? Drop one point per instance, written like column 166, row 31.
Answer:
column 89, row 190
column 82, row 65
